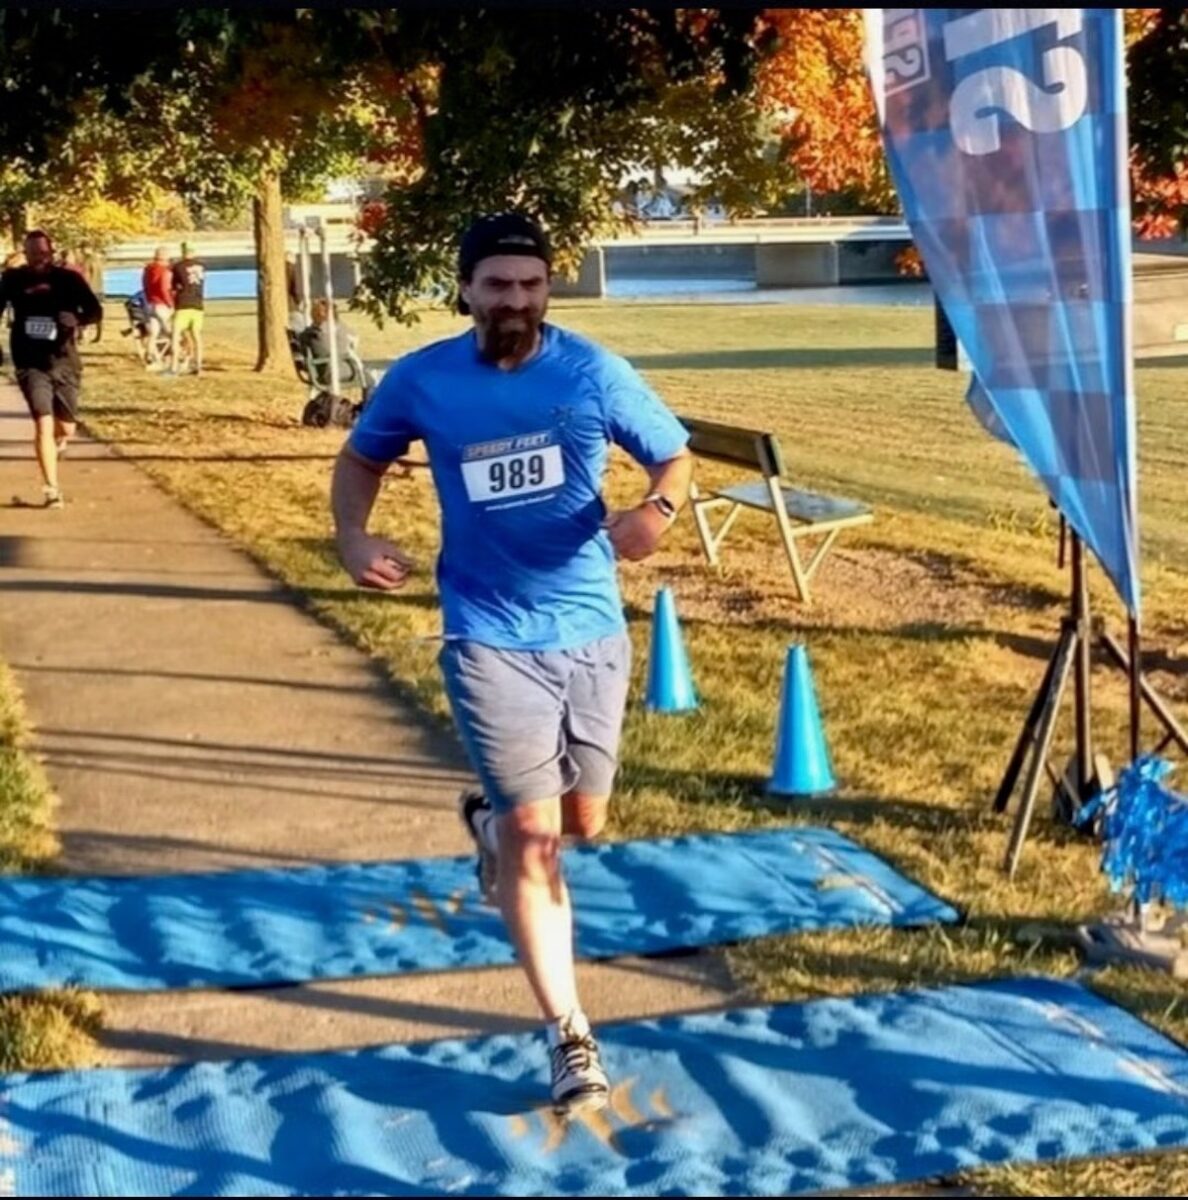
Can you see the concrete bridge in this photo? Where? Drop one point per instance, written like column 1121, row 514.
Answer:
column 776, row 252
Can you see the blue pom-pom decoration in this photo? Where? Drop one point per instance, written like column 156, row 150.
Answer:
column 1145, row 829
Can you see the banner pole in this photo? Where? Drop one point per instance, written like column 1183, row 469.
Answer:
column 331, row 320
column 1084, row 662
column 303, row 260
column 1135, row 675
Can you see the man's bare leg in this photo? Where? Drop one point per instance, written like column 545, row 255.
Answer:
column 583, row 816
column 63, row 432
column 535, row 902
column 536, row 909
column 46, row 449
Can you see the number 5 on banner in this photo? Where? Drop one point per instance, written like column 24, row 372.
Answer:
column 979, row 100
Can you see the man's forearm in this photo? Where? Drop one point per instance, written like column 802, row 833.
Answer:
column 671, row 478
column 89, row 310
column 353, row 490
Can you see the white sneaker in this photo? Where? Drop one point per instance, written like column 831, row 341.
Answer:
column 53, row 497
column 579, row 1081
column 475, row 811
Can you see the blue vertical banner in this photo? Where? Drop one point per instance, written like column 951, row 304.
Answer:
column 1005, row 130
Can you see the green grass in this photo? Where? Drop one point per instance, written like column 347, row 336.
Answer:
column 927, row 639
column 52, row 1030
column 26, row 842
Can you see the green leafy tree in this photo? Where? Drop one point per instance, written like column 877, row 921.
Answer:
column 62, row 72
column 550, row 110
column 257, row 103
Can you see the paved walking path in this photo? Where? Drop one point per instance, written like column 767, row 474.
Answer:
column 192, row 717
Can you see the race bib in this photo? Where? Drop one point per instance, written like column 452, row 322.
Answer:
column 512, row 469
column 44, row 329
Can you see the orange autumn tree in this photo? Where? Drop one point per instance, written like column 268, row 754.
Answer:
column 266, row 105
column 1157, row 40
column 815, row 83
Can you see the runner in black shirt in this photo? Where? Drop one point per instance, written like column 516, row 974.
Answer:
column 49, row 304
column 189, row 285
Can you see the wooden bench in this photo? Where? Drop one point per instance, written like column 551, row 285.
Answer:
column 799, row 514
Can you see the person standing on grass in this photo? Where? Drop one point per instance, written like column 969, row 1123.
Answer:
column 189, row 290
column 49, row 305
column 517, row 416
column 157, row 286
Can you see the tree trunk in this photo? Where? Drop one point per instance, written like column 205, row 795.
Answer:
column 93, row 263
column 18, row 224
column 272, row 300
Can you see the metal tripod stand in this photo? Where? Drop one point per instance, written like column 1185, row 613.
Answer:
column 1073, row 655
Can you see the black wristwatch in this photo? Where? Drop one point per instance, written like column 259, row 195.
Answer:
column 663, row 503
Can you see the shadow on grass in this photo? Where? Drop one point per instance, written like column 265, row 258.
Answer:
column 273, row 592
column 735, row 580
column 716, row 788
column 913, row 631
column 886, row 966
column 1156, row 659
column 98, row 409
column 791, row 356
column 1171, row 360
column 185, row 457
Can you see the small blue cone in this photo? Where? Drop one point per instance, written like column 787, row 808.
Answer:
column 670, row 682
column 802, row 766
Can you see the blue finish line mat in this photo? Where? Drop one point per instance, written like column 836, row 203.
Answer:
column 252, row 928
column 836, row 1093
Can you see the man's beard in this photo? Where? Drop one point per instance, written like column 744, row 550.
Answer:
column 510, row 336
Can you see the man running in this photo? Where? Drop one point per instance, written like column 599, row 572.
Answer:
column 49, row 304
column 517, row 416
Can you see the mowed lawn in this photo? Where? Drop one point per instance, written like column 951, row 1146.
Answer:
column 927, row 638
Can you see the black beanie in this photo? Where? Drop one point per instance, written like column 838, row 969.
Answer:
column 500, row 233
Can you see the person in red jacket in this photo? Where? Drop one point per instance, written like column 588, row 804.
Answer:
column 157, row 285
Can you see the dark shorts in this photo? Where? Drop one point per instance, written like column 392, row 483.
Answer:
column 52, row 392
column 538, row 724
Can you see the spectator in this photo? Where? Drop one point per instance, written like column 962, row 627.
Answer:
column 315, row 339
column 157, row 286
column 139, row 321
column 189, row 292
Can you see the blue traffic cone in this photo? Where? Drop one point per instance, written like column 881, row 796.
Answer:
column 802, row 766
column 670, row 682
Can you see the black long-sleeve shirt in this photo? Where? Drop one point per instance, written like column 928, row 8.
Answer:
column 39, row 341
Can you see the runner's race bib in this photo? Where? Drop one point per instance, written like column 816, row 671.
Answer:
column 43, row 329
column 512, row 468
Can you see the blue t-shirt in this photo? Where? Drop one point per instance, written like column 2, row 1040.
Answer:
column 518, row 457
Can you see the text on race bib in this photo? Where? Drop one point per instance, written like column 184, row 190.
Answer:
column 45, row 329
column 509, row 468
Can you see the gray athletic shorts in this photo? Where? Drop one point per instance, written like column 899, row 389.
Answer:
column 539, row 723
